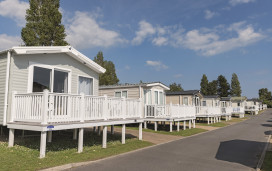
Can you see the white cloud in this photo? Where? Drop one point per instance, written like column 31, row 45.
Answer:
column 209, row 14
column 9, row 41
column 157, row 65
column 83, row 31
column 159, row 41
column 144, row 31
column 15, row 10
column 208, row 44
column 206, row 41
column 236, row 2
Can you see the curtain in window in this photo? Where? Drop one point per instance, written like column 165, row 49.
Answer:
column 156, row 97
column 85, row 85
column 185, row 100
column 149, row 97
column 161, row 98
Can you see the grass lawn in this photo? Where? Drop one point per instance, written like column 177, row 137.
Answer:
column 165, row 130
column 218, row 124
column 184, row 133
column 63, row 150
column 267, row 164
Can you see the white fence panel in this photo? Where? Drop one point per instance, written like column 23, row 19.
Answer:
column 58, row 107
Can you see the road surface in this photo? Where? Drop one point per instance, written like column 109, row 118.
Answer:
column 236, row 147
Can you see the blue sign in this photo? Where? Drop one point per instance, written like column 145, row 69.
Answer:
column 50, row 126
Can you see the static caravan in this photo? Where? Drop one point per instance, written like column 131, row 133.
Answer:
column 149, row 93
column 211, row 100
column 56, row 88
column 253, row 106
column 238, row 105
column 188, row 97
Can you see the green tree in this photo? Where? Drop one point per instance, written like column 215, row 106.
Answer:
column 222, row 86
column 264, row 94
column 212, row 87
column 175, row 87
column 109, row 77
column 204, row 84
column 43, row 24
column 235, row 86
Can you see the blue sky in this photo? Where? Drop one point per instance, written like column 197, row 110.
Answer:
column 168, row 41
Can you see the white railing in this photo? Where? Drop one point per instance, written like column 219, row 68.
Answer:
column 55, row 107
column 169, row 111
column 226, row 110
column 207, row 110
column 252, row 108
column 238, row 110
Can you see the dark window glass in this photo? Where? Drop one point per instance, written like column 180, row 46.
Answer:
column 60, row 82
column 41, row 79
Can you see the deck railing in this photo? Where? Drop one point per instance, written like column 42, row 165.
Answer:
column 252, row 108
column 208, row 110
column 238, row 110
column 56, row 107
column 169, row 111
column 226, row 110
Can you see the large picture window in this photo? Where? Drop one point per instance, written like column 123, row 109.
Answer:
column 51, row 79
column 85, row 85
column 41, row 79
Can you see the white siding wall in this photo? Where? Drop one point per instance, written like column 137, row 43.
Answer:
column 20, row 64
column 3, row 66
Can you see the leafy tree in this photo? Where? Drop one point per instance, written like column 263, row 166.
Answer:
column 109, row 77
column 264, row 94
column 175, row 87
column 222, row 86
column 43, row 24
column 204, row 85
column 212, row 87
column 235, row 86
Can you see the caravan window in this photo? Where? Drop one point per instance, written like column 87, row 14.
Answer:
column 85, row 85
column 185, row 100
column 50, row 79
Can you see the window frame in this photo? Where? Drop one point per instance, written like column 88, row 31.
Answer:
column 121, row 91
column 163, row 96
column 146, row 98
column 52, row 68
column 184, row 100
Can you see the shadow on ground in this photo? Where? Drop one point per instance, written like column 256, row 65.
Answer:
column 237, row 151
column 61, row 140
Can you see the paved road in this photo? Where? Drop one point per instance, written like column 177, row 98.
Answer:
column 236, row 147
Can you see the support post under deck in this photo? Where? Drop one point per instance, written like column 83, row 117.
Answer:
column 43, row 144
column 171, row 126
column 140, row 131
column 80, row 140
column 104, row 138
column 123, row 134
column 11, row 138
column 178, row 124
